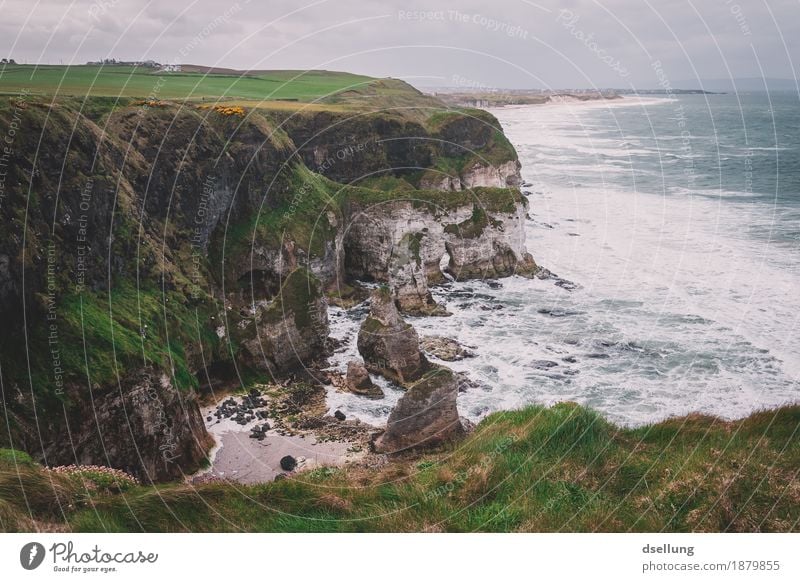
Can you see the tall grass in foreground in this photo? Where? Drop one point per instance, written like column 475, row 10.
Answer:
column 537, row 469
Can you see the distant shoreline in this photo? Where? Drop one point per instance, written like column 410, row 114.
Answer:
column 490, row 99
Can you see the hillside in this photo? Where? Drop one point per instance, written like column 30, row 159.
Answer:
column 148, row 245
column 538, row 469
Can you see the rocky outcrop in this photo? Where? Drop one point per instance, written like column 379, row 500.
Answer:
column 389, row 345
column 425, row 416
column 403, row 242
column 503, row 175
column 290, row 332
column 444, row 348
column 434, row 180
column 358, row 381
column 488, row 244
column 146, row 427
column 407, row 278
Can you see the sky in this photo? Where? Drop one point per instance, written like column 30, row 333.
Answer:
column 481, row 44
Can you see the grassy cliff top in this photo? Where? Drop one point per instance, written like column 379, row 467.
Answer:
column 206, row 83
column 562, row 468
column 280, row 91
column 195, row 84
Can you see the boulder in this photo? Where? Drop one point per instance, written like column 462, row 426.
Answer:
column 358, row 381
column 389, row 345
column 288, row 463
column 426, row 416
column 339, row 415
column 445, row 348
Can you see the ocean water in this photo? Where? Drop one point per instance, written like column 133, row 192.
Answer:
column 678, row 220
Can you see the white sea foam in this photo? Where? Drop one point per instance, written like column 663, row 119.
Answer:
column 685, row 302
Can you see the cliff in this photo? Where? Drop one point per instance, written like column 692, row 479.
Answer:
column 152, row 250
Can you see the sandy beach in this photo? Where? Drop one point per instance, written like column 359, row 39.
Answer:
column 238, row 457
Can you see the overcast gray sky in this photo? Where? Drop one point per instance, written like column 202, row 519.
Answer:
column 500, row 43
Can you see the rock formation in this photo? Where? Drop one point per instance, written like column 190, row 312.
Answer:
column 407, row 278
column 389, row 345
column 146, row 427
column 358, row 381
column 290, row 332
column 425, row 416
column 445, row 348
column 484, row 174
column 403, row 242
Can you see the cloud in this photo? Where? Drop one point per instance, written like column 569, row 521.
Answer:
column 513, row 43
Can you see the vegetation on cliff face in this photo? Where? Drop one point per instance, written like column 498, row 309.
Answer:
column 537, row 469
column 415, row 145
column 473, row 227
column 107, row 333
column 495, row 200
column 148, row 166
column 479, row 137
column 299, row 291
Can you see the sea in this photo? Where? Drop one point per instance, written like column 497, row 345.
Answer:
column 675, row 222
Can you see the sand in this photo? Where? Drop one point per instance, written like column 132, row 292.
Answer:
column 238, row 457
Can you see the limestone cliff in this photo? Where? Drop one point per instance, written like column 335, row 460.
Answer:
column 168, row 247
column 411, row 241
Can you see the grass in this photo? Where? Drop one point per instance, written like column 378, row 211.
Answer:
column 28, row 492
column 503, row 200
column 474, row 226
column 301, row 217
column 143, row 82
column 105, row 334
column 562, row 468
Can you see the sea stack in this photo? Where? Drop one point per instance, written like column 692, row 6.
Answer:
column 426, row 416
column 389, row 345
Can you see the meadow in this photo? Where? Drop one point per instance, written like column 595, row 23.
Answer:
column 147, row 82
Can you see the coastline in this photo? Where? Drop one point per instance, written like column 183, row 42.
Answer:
column 670, row 303
column 552, row 363
column 249, row 447
column 622, row 101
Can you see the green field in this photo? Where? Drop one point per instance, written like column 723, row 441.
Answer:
column 145, row 82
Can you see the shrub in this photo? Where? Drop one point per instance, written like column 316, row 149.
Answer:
column 98, row 478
